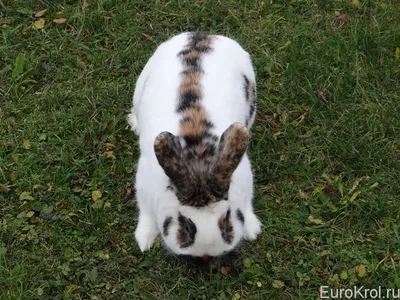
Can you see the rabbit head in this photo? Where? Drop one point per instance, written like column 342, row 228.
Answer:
column 203, row 223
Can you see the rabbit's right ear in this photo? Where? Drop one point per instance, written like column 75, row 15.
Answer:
column 168, row 150
column 232, row 147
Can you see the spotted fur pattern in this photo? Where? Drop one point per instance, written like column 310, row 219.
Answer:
column 251, row 97
column 195, row 127
column 186, row 233
column 226, row 227
column 199, row 168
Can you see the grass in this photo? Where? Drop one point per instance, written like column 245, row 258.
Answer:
column 325, row 148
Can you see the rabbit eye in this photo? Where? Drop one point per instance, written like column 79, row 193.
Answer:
column 226, row 227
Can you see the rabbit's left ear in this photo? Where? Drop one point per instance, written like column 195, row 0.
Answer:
column 232, row 146
column 169, row 153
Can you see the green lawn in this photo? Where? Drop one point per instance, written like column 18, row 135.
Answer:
column 325, row 148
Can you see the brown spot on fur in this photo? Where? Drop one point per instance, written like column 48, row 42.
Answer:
column 226, row 227
column 186, row 233
column 194, row 128
column 190, row 82
column 194, row 125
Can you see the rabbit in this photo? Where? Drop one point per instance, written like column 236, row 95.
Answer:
column 193, row 106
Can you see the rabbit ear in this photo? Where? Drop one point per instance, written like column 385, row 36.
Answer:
column 232, row 146
column 168, row 150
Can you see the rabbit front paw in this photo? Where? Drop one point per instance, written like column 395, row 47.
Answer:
column 252, row 227
column 145, row 233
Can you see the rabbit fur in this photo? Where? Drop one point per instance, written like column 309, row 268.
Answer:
column 193, row 105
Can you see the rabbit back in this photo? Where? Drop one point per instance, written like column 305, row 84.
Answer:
column 223, row 82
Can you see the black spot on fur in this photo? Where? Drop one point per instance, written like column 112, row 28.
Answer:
column 187, row 232
column 191, row 141
column 185, row 119
column 240, row 215
column 251, row 96
column 246, row 87
column 212, row 137
column 252, row 109
column 187, row 100
column 192, row 69
column 208, row 124
column 192, row 61
column 251, row 113
column 184, row 52
column 254, row 92
column 189, row 97
column 197, row 38
column 166, row 224
column 202, row 49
